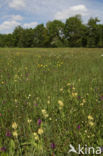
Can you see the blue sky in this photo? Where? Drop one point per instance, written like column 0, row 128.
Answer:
column 29, row 13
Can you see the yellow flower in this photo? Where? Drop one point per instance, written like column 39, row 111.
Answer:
column 90, row 117
column 81, row 104
column 14, row 125
column 68, row 84
column 44, row 113
column 60, row 107
column 61, row 89
column 40, row 131
column 16, row 100
column 61, row 104
column 91, row 123
column 15, row 134
column 50, row 119
column 84, row 101
column 36, row 136
column 48, row 101
column 73, row 88
column 29, row 121
column 74, row 94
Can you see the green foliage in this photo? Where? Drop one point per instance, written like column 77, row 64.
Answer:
column 72, row 33
column 93, row 36
column 56, row 33
column 40, row 38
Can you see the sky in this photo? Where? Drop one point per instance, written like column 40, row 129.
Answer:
column 30, row 13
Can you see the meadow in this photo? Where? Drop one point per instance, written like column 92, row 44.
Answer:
column 49, row 99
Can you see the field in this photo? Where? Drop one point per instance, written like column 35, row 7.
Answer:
column 49, row 99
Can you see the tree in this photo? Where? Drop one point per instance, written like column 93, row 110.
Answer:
column 26, row 38
column 100, row 34
column 93, row 37
column 72, row 33
column 74, row 30
column 17, row 34
column 40, row 36
column 56, row 33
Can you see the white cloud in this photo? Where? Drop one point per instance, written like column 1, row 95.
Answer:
column 17, row 4
column 12, row 17
column 71, row 11
column 16, row 17
column 79, row 8
column 8, row 26
column 30, row 25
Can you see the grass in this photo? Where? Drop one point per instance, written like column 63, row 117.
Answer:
column 49, row 99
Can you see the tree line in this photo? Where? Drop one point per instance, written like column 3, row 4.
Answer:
column 72, row 33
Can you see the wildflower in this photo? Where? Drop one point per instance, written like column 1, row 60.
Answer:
column 39, row 122
column 102, row 149
column 52, row 145
column 48, row 101
column 3, row 149
column 79, row 97
column 44, row 113
column 101, row 98
column 84, row 101
column 61, row 104
column 68, row 84
column 78, row 127
column 74, row 94
column 91, row 123
column 29, row 96
column 61, row 89
column 8, row 134
column 73, row 88
column 50, row 119
column 36, row 104
column 40, row 131
column 15, row 134
column 36, row 136
column 29, row 121
column 81, row 104
column 14, row 125
column 90, row 117
column 16, row 100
